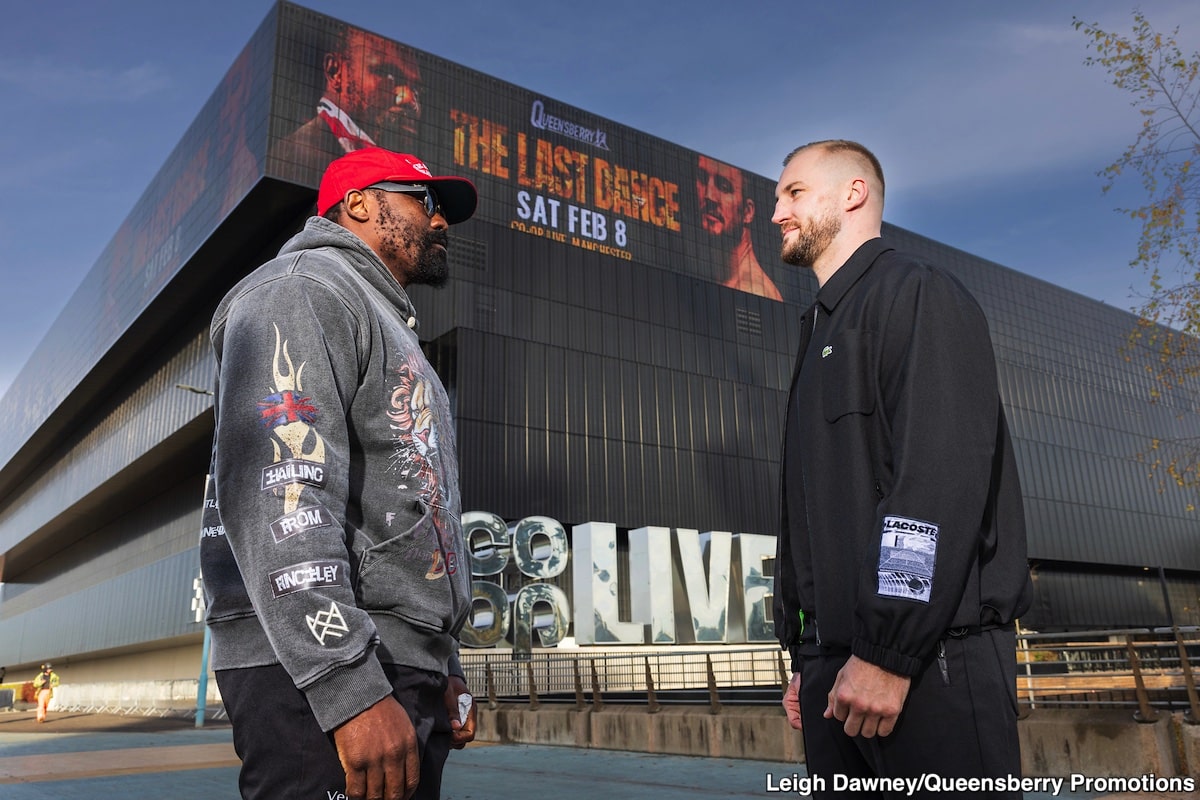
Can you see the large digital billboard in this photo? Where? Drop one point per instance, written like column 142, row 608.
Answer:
column 543, row 168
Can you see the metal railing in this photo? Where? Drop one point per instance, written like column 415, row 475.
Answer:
column 1145, row 670
column 674, row 675
column 176, row 698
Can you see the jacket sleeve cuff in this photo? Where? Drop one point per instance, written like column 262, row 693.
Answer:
column 454, row 667
column 887, row 659
column 347, row 692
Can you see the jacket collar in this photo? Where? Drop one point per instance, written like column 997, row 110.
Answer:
column 848, row 274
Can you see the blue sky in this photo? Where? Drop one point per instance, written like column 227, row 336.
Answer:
column 990, row 128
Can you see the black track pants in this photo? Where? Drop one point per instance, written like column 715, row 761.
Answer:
column 961, row 726
column 286, row 754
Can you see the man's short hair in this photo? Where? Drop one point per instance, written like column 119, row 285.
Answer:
column 334, row 212
column 843, row 146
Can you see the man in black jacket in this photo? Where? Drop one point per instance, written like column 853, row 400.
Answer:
column 901, row 564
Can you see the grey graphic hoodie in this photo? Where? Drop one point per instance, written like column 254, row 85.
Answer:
column 332, row 540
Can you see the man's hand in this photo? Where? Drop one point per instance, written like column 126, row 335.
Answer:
column 791, row 702
column 378, row 750
column 867, row 698
column 464, row 729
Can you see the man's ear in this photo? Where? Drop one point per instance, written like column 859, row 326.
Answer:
column 857, row 194
column 747, row 211
column 355, row 205
column 333, row 71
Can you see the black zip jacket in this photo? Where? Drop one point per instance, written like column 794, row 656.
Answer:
column 901, row 507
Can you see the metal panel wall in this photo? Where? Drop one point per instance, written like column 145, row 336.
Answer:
column 144, row 411
column 148, row 604
column 600, row 368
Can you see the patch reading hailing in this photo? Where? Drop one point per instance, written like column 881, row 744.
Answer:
column 294, row 470
column 907, row 552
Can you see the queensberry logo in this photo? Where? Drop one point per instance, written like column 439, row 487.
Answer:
column 548, row 122
column 293, row 470
column 305, row 576
column 299, row 521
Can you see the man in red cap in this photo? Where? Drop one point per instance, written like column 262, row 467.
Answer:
column 333, row 557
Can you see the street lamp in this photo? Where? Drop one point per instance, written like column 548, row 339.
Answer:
column 198, row 605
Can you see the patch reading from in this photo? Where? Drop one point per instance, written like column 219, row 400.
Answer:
column 305, row 576
column 327, row 623
column 907, row 552
column 299, row 521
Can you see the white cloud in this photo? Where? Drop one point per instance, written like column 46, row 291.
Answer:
column 71, row 83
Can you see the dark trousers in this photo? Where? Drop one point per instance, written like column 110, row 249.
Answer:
column 961, row 726
column 285, row 753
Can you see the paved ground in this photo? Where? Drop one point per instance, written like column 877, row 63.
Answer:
column 81, row 722
column 76, row 756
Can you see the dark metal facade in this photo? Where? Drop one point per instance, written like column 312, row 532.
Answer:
column 600, row 369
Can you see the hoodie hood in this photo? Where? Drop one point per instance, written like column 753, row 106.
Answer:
column 319, row 232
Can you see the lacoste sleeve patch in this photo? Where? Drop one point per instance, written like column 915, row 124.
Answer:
column 907, row 553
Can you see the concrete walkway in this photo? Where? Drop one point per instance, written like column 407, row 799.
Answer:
column 85, row 757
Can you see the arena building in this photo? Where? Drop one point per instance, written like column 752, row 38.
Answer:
column 617, row 340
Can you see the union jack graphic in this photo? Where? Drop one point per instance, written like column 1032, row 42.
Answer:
column 286, row 407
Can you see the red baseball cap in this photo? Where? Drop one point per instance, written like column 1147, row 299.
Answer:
column 361, row 168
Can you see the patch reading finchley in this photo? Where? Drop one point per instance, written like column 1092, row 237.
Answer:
column 302, row 577
column 907, row 552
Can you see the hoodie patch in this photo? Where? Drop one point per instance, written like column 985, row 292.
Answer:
column 327, row 623
column 306, row 576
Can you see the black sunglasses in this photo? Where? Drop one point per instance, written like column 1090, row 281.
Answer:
column 429, row 197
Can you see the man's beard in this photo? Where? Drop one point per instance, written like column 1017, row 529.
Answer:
column 432, row 268
column 811, row 241
column 396, row 131
column 710, row 208
column 401, row 238
column 718, row 246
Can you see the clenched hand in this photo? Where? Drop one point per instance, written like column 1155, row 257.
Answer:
column 378, row 750
column 463, row 729
column 867, row 698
